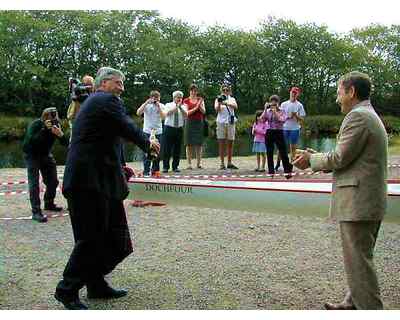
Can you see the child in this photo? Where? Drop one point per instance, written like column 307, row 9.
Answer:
column 259, row 129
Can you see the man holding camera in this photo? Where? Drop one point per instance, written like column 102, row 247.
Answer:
column 225, row 105
column 37, row 145
column 151, row 110
column 95, row 187
column 79, row 93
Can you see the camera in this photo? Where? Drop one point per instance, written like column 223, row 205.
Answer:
column 79, row 92
column 222, row 98
column 54, row 118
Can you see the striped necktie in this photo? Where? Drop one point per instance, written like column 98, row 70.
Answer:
column 176, row 118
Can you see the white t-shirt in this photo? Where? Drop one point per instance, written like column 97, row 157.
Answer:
column 169, row 119
column 152, row 118
column 223, row 115
column 289, row 106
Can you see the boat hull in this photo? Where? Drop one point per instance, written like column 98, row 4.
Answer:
column 276, row 197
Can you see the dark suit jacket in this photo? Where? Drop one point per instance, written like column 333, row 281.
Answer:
column 94, row 158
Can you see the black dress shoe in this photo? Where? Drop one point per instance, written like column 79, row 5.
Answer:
column 71, row 304
column 106, row 293
column 177, row 170
column 231, row 166
column 52, row 207
column 39, row 217
column 339, row 306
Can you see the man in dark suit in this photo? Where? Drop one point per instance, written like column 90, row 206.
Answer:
column 95, row 188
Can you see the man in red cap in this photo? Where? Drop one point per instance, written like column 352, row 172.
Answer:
column 295, row 116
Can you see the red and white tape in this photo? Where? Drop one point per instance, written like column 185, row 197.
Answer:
column 30, row 217
column 9, row 183
column 13, row 183
column 13, row 193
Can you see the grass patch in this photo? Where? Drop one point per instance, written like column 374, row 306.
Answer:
column 394, row 145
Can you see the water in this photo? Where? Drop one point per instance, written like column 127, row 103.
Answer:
column 11, row 155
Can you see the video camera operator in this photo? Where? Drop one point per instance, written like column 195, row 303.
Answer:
column 38, row 141
column 79, row 91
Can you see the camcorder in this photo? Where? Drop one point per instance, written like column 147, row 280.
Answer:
column 221, row 98
column 78, row 91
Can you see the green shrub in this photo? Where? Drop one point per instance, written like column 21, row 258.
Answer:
column 13, row 128
column 392, row 124
column 323, row 124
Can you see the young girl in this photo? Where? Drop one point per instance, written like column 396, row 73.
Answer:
column 259, row 129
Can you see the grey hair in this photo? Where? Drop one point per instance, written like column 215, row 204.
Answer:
column 177, row 94
column 106, row 73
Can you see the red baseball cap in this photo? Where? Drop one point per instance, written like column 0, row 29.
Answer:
column 295, row 90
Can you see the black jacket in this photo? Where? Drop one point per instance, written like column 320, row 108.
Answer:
column 39, row 140
column 94, row 158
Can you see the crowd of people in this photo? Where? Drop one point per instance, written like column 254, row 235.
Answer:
column 182, row 121
column 95, row 175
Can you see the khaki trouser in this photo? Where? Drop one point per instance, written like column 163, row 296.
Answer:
column 358, row 243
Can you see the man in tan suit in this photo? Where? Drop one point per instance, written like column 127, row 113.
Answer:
column 359, row 193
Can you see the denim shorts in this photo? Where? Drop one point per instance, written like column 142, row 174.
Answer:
column 292, row 136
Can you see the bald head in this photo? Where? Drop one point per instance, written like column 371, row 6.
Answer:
column 88, row 81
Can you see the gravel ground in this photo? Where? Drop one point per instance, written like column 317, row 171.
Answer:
column 193, row 258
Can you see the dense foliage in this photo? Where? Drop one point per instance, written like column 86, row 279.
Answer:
column 40, row 50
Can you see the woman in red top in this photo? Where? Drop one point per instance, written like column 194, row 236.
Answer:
column 194, row 125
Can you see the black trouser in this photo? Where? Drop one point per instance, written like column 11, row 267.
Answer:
column 46, row 166
column 102, row 240
column 155, row 164
column 171, row 146
column 275, row 137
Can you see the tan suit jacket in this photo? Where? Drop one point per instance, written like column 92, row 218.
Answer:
column 359, row 165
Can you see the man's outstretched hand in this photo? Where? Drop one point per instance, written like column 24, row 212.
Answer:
column 302, row 158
